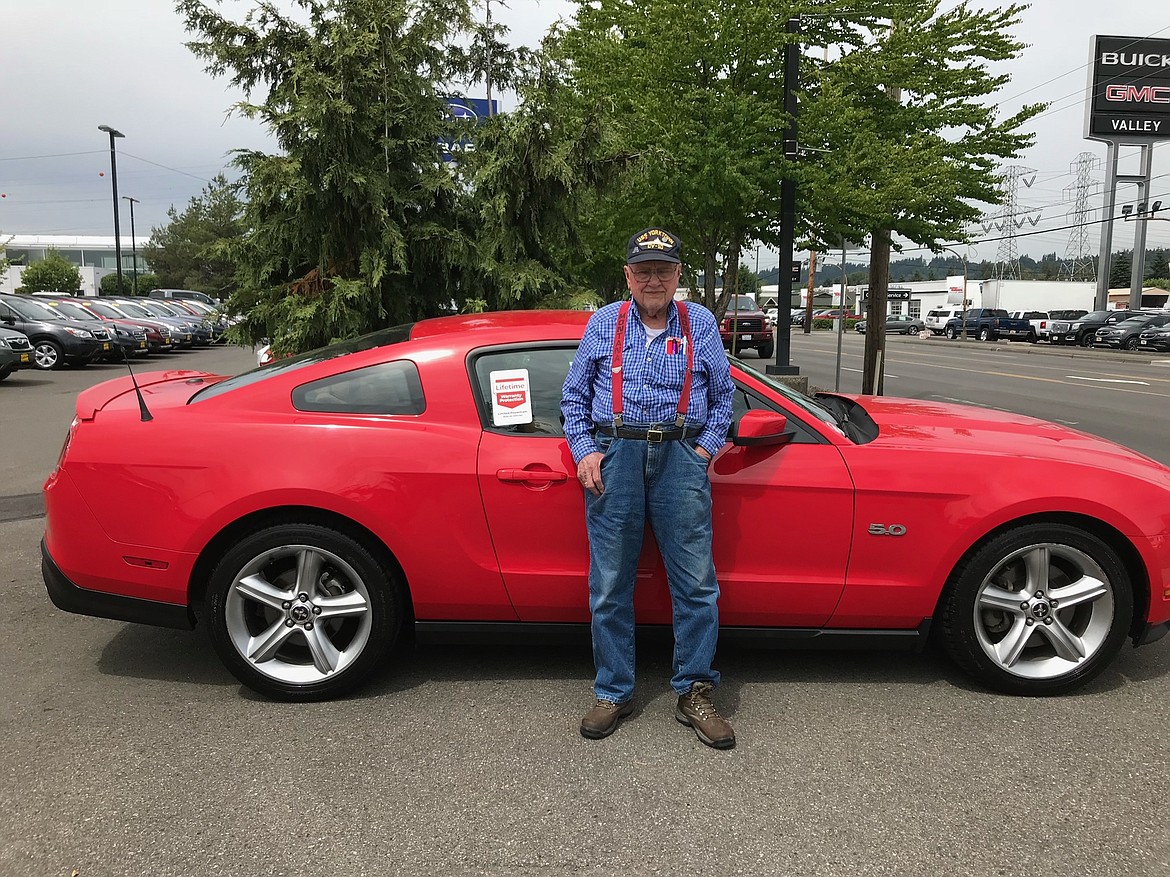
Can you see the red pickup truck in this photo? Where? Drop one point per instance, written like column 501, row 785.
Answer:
column 745, row 326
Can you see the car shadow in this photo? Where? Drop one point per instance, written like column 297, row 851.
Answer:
column 142, row 652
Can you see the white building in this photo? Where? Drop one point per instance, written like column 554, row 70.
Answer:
column 94, row 256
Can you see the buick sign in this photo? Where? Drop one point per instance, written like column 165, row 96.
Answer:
column 1129, row 90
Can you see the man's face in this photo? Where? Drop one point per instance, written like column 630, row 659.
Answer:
column 653, row 284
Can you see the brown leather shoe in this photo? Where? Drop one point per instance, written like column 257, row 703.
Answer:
column 602, row 720
column 695, row 709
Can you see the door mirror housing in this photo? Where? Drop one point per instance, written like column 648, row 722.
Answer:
column 758, row 428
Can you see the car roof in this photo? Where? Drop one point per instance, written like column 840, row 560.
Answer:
column 511, row 325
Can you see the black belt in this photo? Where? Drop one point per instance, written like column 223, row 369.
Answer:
column 649, row 435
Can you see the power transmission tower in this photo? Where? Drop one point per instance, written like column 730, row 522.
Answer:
column 1011, row 217
column 1078, row 261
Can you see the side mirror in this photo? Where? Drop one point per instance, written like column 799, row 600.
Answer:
column 8, row 318
column 758, row 428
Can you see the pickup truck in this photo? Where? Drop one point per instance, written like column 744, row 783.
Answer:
column 1041, row 321
column 745, row 326
column 989, row 324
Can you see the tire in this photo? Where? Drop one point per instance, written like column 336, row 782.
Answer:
column 1086, row 340
column 47, row 355
column 5, row 372
column 1034, row 651
column 985, row 334
column 952, row 332
column 1130, row 343
column 766, row 351
column 1032, row 338
column 344, row 584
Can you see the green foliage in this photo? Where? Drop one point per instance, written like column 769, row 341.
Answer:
column 356, row 222
column 193, row 250
column 108, row 285
column 747, row 282
column 51, row 274
column 821, row 323
column 1121, row 270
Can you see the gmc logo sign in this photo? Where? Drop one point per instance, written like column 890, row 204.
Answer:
column 1145, row 94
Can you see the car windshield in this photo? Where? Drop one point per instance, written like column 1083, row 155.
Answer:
column 74, row 312
column 381, row 338
column 742, row 303
column 810, row 406
column 32, row 310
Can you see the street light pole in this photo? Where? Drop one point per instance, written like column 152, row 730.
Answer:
column 133, row 244
column 788, row 200
column 114, row 180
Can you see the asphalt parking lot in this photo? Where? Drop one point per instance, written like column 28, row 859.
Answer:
column 129, row 750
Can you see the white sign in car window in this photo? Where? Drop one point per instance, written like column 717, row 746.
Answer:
column 511, row 396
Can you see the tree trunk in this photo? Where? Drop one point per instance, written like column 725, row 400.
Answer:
column 808, row 303
column 873, row 364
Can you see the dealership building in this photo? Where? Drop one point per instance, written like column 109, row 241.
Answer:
column 95, row 256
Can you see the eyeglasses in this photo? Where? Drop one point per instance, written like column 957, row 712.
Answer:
column 644, row 275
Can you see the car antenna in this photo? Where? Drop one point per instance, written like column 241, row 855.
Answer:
column 145, row 412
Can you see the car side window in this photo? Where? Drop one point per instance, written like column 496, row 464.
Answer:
column 386, row 388
column 547, row 368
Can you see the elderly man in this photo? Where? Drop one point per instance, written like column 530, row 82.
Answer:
column 647, row 403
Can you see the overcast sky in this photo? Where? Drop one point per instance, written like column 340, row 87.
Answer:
column 125, row 65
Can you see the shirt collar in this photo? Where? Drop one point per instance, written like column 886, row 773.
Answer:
column 672, row 322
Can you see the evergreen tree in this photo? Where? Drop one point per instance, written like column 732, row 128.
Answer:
column 356, row 222
column 193, row 250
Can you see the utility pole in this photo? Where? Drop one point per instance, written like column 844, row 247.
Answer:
column 788, row 199
column 808, row 301
column 488, row 72
column 133, row 245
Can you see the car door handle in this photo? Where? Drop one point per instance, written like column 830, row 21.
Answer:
column 543, row 476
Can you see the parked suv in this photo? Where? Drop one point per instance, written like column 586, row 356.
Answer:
column 745, row 326
column 192, row 294
column 936, row 318
column 55, row 341
column 1125, row 334
column 15, row 351
column 1082, row 330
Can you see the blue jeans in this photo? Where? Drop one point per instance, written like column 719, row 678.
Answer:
column 666, row 483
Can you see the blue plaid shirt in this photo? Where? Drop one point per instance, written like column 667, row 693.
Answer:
column 651, row 379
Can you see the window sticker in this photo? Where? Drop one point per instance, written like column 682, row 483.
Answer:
column 511, row 397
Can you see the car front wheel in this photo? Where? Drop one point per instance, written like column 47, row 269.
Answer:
column 1038, row 610
column 47, row 355
column 302, row 612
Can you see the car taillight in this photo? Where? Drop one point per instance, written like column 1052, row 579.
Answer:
column 1043, row 323
column 68, row 439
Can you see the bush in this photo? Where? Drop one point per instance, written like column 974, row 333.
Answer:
column 823, row 323
column 146, row 282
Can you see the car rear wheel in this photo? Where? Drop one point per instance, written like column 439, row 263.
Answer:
column 47, row 355
column 302, row 612
column 984, row 334
column 1038, row 610
column 952, row 332
column 766, row 351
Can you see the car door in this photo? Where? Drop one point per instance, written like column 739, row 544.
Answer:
column 782, row 516
column 535, row 506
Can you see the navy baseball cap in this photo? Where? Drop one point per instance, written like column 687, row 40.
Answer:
column 652, row 245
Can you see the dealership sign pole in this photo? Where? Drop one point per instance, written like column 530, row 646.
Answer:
column 1128, row 103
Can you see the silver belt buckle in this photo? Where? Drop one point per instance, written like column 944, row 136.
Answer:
column 654, row 435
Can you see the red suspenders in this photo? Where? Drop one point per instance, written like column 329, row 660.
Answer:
column 619, row 343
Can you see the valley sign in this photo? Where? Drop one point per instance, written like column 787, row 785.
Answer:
column 1129, row 90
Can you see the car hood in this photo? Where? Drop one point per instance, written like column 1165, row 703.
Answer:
column 922, row 425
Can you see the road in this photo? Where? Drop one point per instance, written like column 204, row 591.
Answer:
column 1123, row 397
column 129, row 750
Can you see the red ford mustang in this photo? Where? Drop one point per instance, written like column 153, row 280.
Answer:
column 311, row 512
